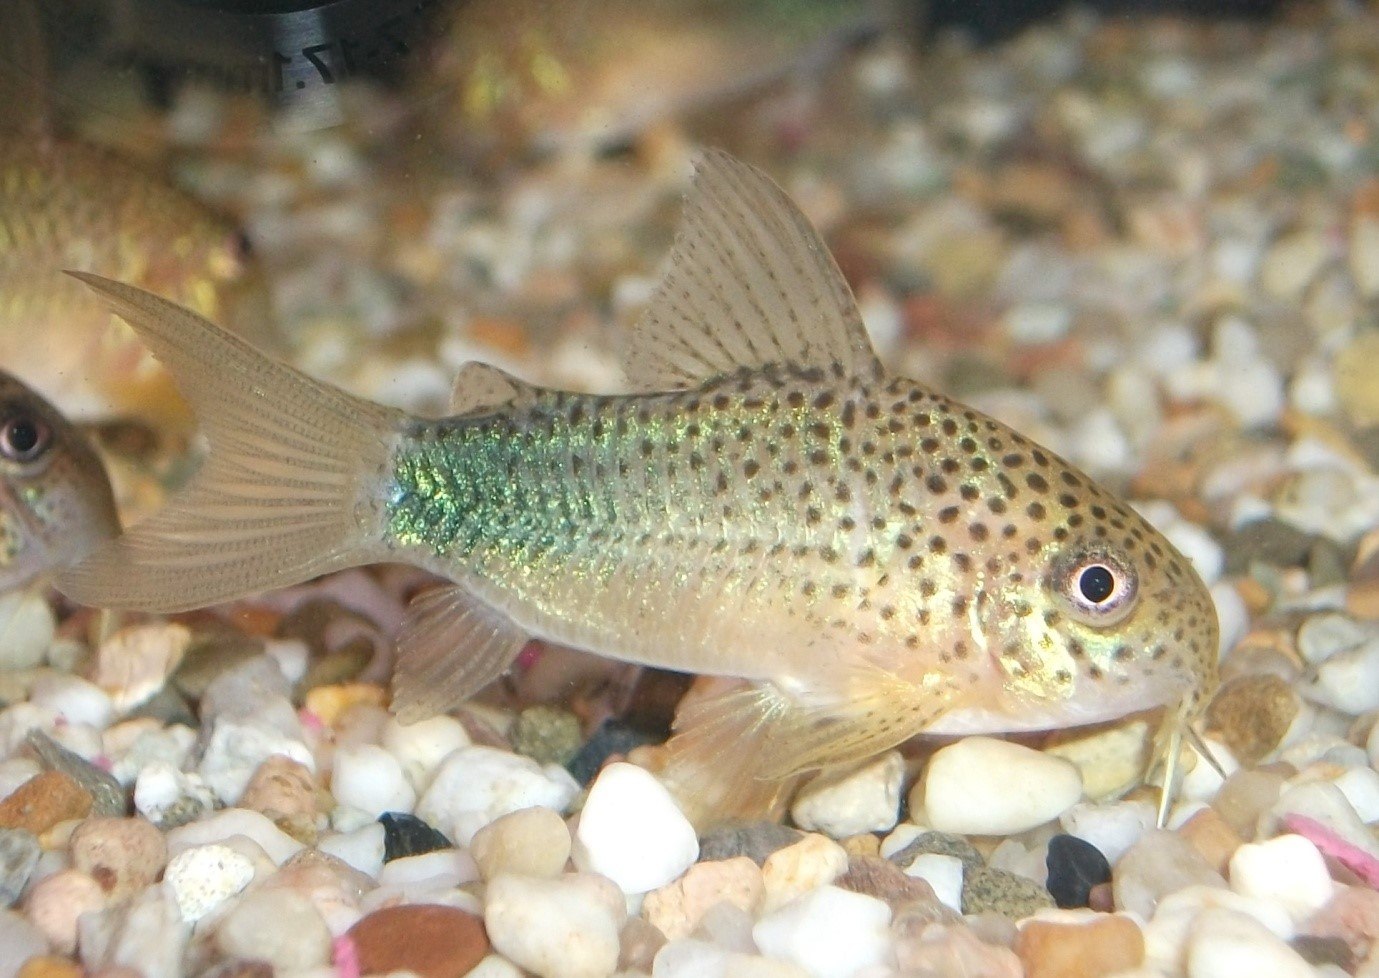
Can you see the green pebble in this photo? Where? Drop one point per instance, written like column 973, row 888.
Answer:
column 547, row 734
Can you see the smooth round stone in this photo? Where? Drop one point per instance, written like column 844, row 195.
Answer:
column 529, row 842
column 221, row 826
column 1103, row 944
column 1323, row 635
column 981, row 786
column 829, row 932
column 370, row 779
column 866, row 799
column 1160, row 863
column 124, row 855
column 74, row 699
column 943, row 873
column 1074, row 867
column 1287, row 869
column 420, row 747
column 27, row 623
column 237, row 748
column 814, row 861
column 430, row 940
column 203, row 877
column 19, row 942
column 275, row 925
column 476, row 785
column 560, row 928
column 57, row 901
column 284, row 790
column 631, row 831
column 1224, row 942
column 1253, row 713
column 135, row 663
column 1348, row 680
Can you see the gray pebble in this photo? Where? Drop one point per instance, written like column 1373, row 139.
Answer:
column 986, row 890
column 209, row 656
column 107, row 794
column 1267, row 541
column 19, row 852
column 942, row 844
column 755, row 840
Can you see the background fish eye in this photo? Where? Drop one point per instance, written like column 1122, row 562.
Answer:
column 23, row 437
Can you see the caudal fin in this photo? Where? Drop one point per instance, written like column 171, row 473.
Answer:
column 286, row 493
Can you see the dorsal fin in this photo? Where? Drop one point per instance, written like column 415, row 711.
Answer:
column 749, row 283
column 481, row 385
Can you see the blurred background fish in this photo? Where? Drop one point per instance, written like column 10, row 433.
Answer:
column 65, row 203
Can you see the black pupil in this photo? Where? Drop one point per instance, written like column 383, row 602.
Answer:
column 1096, row 584
column 22, row 435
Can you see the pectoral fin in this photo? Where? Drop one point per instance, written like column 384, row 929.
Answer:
column 452, row 645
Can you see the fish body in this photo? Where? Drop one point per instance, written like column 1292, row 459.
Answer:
column 55, row 500
column 871, row 558
column 64, row 204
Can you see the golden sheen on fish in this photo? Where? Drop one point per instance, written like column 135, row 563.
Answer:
column 67, row 204
column 873, row 559
column 55, row 500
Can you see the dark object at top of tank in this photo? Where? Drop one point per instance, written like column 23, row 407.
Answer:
column 989, row 21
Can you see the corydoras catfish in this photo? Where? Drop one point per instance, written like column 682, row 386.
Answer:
column 55, row 499
column 874, row 559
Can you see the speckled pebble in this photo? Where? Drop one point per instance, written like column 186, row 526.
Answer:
column 546, row 734
column 283, row 790
column 123, row 855
column 755, row 840
column 203, row 877
column 1252, row 713
column 939, row 843
column 987, row 890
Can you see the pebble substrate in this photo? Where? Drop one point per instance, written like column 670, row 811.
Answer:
column 1152, row 246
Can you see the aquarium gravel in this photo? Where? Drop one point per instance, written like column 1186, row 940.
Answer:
column 1151, row 245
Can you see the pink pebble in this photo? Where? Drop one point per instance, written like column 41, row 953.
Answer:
column 345, row 956
column 1353, row 858
column 310, row 720
column 528, row 656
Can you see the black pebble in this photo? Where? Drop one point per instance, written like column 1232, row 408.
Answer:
column 1075, row 867
column 614, row 737
column 407, row 835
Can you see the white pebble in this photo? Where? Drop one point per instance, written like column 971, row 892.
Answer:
column 494, row 966
column 1113, row 827
column 293, row 656
column 19, row 941
column 73, row 699
column 362, row 849
column 693, row 958
column 235, row 751
column 420, row 747
column 1348, row 680
column 631, row 831
column 866, row 799
column 276, row 925
column 1252, row 390
column 902, row 836
column 203, row 877
column 1037, row 322
column 476, row 785
column 15, row 771
column 1287, row 869
column 943, row 873
column 981, row 786
column 564, row 928
column 1203, row 781
column 370, row 779
column 1225, row 942
column 1360, row 785
column 145, row 934
column 163, row 794
column 27, row 627
column 438, row 869
column 1197, row 545
column 1323, row 635
column 1233, row 618
column 829, row 932
column 279, row 846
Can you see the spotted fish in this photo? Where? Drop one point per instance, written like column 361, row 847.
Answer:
column 872, row 559
column 55, row 500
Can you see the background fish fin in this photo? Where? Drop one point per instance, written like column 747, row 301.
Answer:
column 451, row 646
column 482, row 385
column 749, row 283
column 288, row 492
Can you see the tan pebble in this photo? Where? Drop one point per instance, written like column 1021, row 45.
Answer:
column 866, row 844
column 49, row 966
column 529, row 842
column 1252, row 713
column 1212, row 837
column 638, row 944
column 814, row 861
column 43, row 801
column 285, row 791
column 1109, row 944
column 1256, row 596
column 676, row 909
column 329, row 703
column 135, row 662
column 123, row 855
column 1362, row 600
column 55, row 903
column 1110, row 760
column 1246, row 795
column 1355, row 386
column 431, row 940
column 942, row 949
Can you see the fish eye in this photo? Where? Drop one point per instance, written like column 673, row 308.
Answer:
column 1098, row 587
column 23, row 437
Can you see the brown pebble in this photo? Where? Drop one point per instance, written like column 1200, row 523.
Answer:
column 44, row 800
column 865, row 844
column 1362, row 600
column 1212, row 837
column 123, row 855
column 881, row 878
column 1106, row 945
column 1101, row 898
column 431, row 940
column 49, row 966
column 1252, row 713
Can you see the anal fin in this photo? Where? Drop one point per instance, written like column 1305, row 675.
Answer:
column 451, row 646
